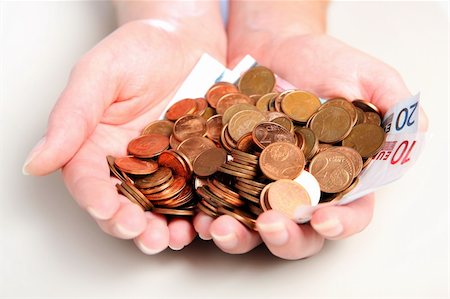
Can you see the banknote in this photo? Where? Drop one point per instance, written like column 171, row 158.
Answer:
column 401, row 150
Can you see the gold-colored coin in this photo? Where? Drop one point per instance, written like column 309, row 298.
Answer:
column 257, row 80
column 372, row 118
column 331, row 124
column 163, row 127
column 345, row 104
column 244, row 122
column 263, row 102
column 300, row 105
column 232, row 110
column 310, row 141
column 366, row 139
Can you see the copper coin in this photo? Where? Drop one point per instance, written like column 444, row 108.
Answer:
column 231, row 99
column 174, row 143
column 138, row 195
column 331, row 124
column 351, row 187
column 181, row 108
column 249, row 197
column 214, row 127
column 345, row 104
column 178, row 200
column 286, row 196
column 235, row 173
column 247, row 156
column 158, row 188
column 194, row 146
column 333, row 170
column 366, row 106
column 185, row 161
column 246, row 143
column 247, row 190
column 176, row 187
column 171, row 160
column 217, row 91
column 233, row 201
column 372, row 118
column 239, row 169
column 209, row 161
column 263, row 198
column 202, row 207
column 213, row 198
column 299, row 140
column 202, row 104
column 243, row 122
column 251, row 182
column 300, row 105
column 136, row 166
column 252, row 168
column 224, row 139
column 240, row 216
column 163, row 127
column 366, row 139
column 353, row 155
column 128, row 195
column 257, row 80
column 114, row 170
column 281, row 160
column 148, row 146
column 255, row 209
column 224, row 188
column 189, row 126
column 162, row 175
column 266, row 133
column 173, row 212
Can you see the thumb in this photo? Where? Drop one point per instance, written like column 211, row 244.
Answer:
column 72, row 120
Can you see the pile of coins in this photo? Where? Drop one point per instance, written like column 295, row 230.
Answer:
column 244, row 149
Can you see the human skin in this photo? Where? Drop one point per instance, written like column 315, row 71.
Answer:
column 125, row 81
column 115, row 89
column 291, row 41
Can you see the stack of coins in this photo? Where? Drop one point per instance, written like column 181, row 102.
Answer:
column 243, row 149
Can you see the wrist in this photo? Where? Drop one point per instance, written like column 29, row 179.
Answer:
column 278, row 18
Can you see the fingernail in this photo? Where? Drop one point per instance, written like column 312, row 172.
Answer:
column 274, row 233
column 176, row 247
column 96, row 214
column 203, row 237
column 329, row 228
column 228, row 241
column 125, row 232
column 34, row 152
column 147, row 250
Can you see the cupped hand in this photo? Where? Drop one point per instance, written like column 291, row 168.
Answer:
column 117, row 88
column 328, row 68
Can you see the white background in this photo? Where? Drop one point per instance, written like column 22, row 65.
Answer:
column 51, row 248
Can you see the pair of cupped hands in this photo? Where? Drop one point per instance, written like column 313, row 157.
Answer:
column 125, row 82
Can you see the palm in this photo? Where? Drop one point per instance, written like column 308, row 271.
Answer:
column 330, row 68
column 130, row 76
